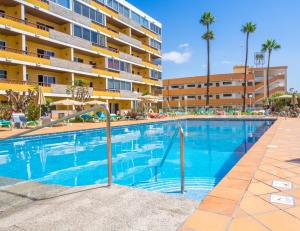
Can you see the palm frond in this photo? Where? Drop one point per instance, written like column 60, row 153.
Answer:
column 207, row 18
column 208, row 35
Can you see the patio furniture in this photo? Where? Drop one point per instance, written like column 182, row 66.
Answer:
column 19, row 120
column 5, row 124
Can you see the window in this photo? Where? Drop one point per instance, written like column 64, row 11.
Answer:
column 113, row 64
column 250, row 83
column 88, row 12
column 210, row 84
column 89, row 35
column 191, row 97
column 174, row 87
column 227, row 95
column 46, row 80
column 135, row 17
column 174, row 97
column 217, row 96
column 44, row 53
column 155, row 29
column 3, row 74
column 78, row 60
column 227, row 83
column 64, row 3
column 217, row 84
column 199, row 85
column 155, row 44
column 145, row 23
column 155, row 74
column 199, row 97
column 2, row 45
column 191, row 85
column 125, row 67
column 119, row 85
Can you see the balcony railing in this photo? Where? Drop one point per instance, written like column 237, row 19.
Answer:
column 129, row 76
column 9, row 49
column 107, row 48
column 26, row 22
column 130, row 58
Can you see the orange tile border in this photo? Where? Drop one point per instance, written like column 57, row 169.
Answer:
column 254, row 174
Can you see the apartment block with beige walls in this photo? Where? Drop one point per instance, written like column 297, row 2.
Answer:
column 226, row 90
column 109, row 44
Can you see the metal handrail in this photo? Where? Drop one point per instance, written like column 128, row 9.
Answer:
column 108, row 132
column 180, row 131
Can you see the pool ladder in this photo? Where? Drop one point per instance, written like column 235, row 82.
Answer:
column 181, row 133
column 108, row 132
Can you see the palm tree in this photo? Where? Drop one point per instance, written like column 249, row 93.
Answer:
column 207, row 19
column 248, row 28
column 269, row 46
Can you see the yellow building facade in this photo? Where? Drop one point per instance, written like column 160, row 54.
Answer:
column 110, row 45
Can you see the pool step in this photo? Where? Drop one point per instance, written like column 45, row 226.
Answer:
column 169, row 185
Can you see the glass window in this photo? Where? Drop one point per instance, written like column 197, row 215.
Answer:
column 135, row 17
column 86, row 34
column 110, row 3
column 100, row 18
column 85, row 11
column 94, row 37
column 78, row 31
column 77, row 7
column 102, row 40
column 117, row 85
column 3, row 74
column 110, row 84
column 92, row 15
column 126, row 12
column 145, row 23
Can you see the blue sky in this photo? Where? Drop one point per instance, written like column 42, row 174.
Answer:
column 185, row 51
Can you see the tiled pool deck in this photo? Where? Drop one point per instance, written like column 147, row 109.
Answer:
column 241, row 201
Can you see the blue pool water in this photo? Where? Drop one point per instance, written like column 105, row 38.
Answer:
column 212, row 147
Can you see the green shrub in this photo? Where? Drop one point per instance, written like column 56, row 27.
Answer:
column 5, row 111
column 33, row 112
column 76, row 120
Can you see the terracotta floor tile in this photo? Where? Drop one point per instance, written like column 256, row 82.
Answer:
column 279, row 221
column 256, row 205
column 240, row 213
column 234, row 183
column 205, row 221
column 260, row 188
column 295, row 180
column 228, row 193
column 281, row 173
column 246, row 224
column 239, row 175
column 294, row 211
column 218, row 205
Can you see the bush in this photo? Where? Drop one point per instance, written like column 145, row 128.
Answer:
column 33, row 112
column 5, row 111
column 76, row 120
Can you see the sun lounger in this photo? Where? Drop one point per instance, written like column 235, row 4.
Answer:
column 5, row 124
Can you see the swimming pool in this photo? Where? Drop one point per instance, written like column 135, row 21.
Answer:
column 212, row 147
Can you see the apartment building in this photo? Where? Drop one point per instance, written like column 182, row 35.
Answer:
column 226, row 90
column 109, row 44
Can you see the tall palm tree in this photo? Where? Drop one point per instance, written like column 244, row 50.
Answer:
column 269, row 46
column 206, row 20
column 247, row 29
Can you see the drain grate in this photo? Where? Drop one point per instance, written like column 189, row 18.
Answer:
column 279, row 199
column 282, row 184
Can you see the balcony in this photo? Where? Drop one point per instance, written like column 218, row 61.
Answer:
column 130, row 58
column 67, row 13
column 69, row 39
column 130, row 22
column 105, row 9
column 106, row 50
column 23, row 56
column 151, row 65
column 130, row 40
column 18, row 85
column 106, row 93
column 130, row 94
column 150, row 49
column 106, row 72
column 150, row 33
column 40, row 3
column 129, row 76
column 17, row 23
column 62, row 89
column 67, row 64
column 151, row 81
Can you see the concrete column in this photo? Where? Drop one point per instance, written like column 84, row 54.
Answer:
column 24, row 73
column 22, row 12
column 73, row 78
column 106, row 84
column 23, row 42
column 72, row 54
